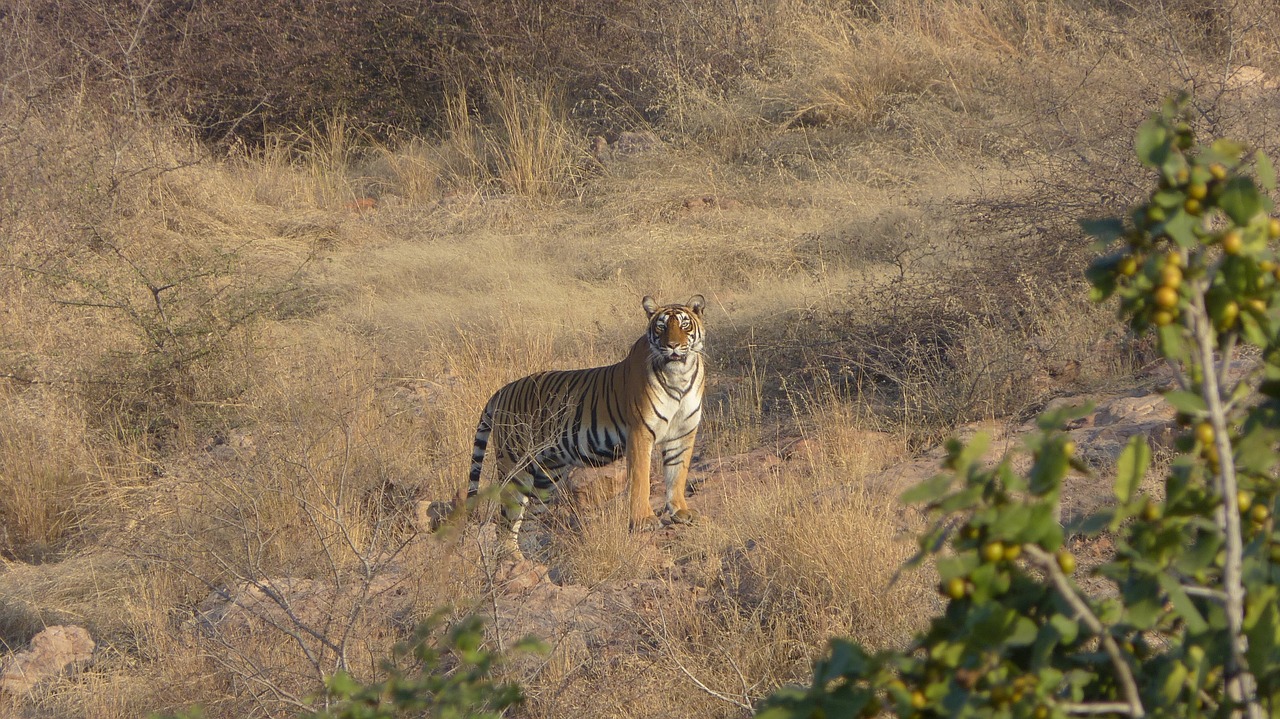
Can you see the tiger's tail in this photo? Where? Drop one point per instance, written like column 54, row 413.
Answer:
column 483, row 430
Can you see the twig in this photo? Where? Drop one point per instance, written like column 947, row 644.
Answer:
column 1124, row 673
column 1241, row 685
column 692, row 678
column 1094, row 707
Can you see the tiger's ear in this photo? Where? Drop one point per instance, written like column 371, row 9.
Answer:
column 649, row 304
column 696, row 303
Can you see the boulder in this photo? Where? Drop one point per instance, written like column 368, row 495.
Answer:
column 52, row 652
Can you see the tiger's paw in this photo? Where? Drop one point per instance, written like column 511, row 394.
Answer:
column 684, row 516
column 646, row 524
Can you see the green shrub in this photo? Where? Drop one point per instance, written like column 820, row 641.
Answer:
column 1189, row 623
column 450, row 676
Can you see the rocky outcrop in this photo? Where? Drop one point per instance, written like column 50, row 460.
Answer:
column 51, row 653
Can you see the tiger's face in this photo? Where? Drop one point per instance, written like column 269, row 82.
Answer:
column 675, row 331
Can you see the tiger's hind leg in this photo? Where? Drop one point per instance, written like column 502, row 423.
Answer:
column 514, row 500
column 527, row 492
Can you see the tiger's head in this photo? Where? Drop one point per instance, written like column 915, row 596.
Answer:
column 675, row 331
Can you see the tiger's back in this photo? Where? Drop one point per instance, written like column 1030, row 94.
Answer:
column 537, row 428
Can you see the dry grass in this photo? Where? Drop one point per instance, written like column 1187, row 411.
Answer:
column 225, row 371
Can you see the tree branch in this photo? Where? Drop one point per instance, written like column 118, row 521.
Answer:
column 1124, row 673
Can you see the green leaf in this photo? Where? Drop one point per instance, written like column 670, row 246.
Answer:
column 1172, row 686
column 1024, row 632
column 1200, row 554
column 1254, row 450
column 1181, row 227
column 778, row 712
column 1230, row 150
column 1253, row 331
column 973, row 452
column 1131, row 467
column 1101, row 274
column 1171, row 342
column 1182, row 604
column 962, row 500
column 1152, row 143
column 1057, row 418
column 1262, row 626
column 1186, row 402
column 928, row 490
column 1266, row 171
column 959, row 565
column 1169, row 198
column 1240, row 200
column 342, row 685
column 1105, row 230
column 1067, row 628
column 1143, row 612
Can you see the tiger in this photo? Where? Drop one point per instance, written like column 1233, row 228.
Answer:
column 541, row 426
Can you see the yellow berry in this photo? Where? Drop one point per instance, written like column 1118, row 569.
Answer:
column 1066, row 561
column 1171, row 276
column 1204, row 433
column 1232, row 242
column 993, row 551
column 1160, row 318
column 1244, row 500
column 1259, row 513
column 1173, row 257
column 1273, row 229
column 955, row 588
column 918, row 699
column 1012, row 552
column 1128, row 266
column 1166, row 297
column 1230, row 312
column 1218, row 170
column 1255, row 304
column 1197, row 190
column 1069, row 447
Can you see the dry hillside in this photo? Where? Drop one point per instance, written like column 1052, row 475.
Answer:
column 249, row 313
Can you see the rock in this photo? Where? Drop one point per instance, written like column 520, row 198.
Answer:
column 711, row 202
column 52, row 652
column 257, row 607
column 1102, row 435
column 1250, row 80
column 232, row 446
column 518, row 576
column 635, row 143
column 428, row 515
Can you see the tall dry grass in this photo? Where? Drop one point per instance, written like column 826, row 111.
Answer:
column 225, row 374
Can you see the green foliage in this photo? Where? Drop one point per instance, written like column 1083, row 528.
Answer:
column 449, row 676
column 1182, row 621
column 454, row 679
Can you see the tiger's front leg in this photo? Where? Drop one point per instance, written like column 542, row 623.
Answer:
column 676, row 458
column 639, row 447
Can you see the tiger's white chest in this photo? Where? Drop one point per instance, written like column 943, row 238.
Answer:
column 678, row 399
